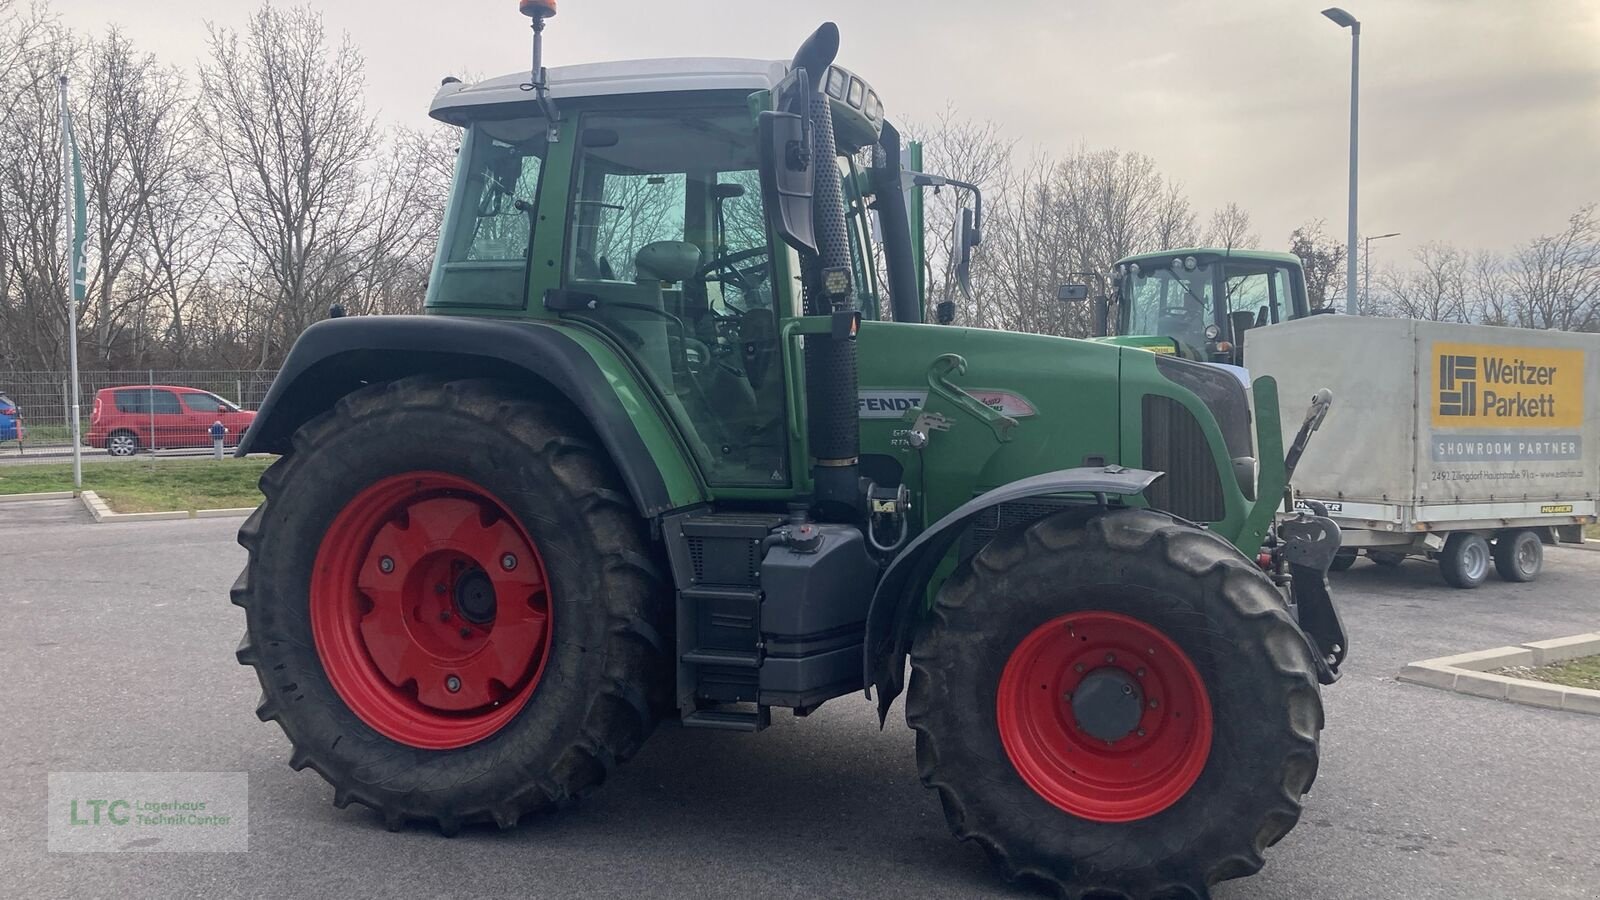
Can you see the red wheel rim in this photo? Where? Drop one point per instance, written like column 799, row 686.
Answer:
column 1137, row 774
column 430, row 610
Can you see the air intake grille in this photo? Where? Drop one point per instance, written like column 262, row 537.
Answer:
column 1175, row 444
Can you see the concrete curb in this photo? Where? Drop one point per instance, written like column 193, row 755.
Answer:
column 46, row 495
column 1468, row 673
column 102, row 512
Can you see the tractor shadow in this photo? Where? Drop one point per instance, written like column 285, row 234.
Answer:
column 807, row 806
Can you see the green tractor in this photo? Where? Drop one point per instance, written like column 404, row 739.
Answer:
column 1196, row 303
column 655, row 454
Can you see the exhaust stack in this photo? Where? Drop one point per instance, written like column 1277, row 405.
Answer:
column 831, row 392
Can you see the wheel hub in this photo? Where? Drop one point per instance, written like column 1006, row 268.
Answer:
column 1104, row 716
column 1108, row 704
column 475, row 599
column 430, row 610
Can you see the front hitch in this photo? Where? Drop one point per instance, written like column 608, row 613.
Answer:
column 1303, row 545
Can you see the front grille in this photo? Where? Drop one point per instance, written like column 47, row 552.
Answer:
column 1221, row 392
column 1175, row 443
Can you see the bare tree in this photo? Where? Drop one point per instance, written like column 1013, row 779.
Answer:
column 1437, row 288
column 1230, row 229
column 33, row 276
column 284, row 109
column 1554, row 280
column 1323, row 259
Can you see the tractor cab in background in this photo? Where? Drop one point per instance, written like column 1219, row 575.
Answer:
column 1198, row 303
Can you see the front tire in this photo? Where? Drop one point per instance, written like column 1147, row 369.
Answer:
column 457, row 627
column 1518, row 555
column 1048, row 765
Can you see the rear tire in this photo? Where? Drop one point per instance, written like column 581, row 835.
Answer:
column 1518, row 555
column 571, row 711
column 1229, row 785
column 1343, row 560
column 1464, row 561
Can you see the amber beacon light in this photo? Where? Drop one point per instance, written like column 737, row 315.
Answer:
column 537, row 9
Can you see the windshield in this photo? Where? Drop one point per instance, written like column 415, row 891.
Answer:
column 1170, row 302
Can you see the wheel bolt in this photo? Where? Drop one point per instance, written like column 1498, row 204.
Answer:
column 466, row 633
column 1111, row 657
column 386, row 565
column 1127, row 689
column 444, row 616
column 1140, row 673
column 452, row 684
column 1078, row 667
column 438, row 588
column 1141, row 732
column 1154, row 704
column 508, row 562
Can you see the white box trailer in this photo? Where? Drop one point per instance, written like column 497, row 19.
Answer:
column 1469, row 444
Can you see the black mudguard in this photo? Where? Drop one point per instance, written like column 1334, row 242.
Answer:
column 337, row 356
column 891, row 619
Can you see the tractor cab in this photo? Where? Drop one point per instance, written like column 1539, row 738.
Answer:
column 636, row 204
column 1197, row 304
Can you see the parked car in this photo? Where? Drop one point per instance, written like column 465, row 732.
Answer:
column 11, row 421
column 131, row 418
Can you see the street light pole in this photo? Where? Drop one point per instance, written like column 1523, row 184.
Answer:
column 1366, row 262
column 1345, row 20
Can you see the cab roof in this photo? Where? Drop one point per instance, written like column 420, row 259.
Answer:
column 1236, row 253
column 455, row 100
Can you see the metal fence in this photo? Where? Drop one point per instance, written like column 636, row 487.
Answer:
column 165, row 411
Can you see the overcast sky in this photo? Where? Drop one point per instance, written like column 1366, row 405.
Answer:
column 1480, row 118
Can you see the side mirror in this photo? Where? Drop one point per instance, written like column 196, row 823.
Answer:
column 787, row 185
column 1072, row 293
column 965, row 239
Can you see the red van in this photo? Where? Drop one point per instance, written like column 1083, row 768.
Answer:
column 158, row 417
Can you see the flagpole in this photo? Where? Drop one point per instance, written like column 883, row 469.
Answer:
column 72, row 281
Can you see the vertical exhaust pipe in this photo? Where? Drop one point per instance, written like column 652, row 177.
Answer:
column 831, row 392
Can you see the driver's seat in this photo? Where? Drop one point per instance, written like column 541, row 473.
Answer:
column 666, row 262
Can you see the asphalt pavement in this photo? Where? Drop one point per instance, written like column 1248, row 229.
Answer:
column 116, row 654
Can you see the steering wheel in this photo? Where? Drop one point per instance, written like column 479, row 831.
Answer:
column 732, row 269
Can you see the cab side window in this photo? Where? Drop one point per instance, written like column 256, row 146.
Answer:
column 667, row 250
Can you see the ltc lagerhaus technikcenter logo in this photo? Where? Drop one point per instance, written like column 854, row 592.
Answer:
column 150, row 812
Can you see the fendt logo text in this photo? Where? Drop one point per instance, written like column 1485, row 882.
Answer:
column 1507, row 387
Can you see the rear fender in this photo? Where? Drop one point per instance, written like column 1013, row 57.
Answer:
column 338, row 356
column 895, row 610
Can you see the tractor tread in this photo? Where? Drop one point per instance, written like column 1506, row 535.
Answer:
column 618, row 715
column 1160, row 540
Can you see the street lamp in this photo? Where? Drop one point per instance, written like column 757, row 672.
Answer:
column 1345, row 20
column 1366, row 261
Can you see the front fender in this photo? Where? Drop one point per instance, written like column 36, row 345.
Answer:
column 335, row 357
column 891, row 619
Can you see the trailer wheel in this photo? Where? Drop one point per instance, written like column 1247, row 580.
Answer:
column 1119, row 709
column 1518, row 555
column 1343, row 560
column 1464, row 561
column 459, row 627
